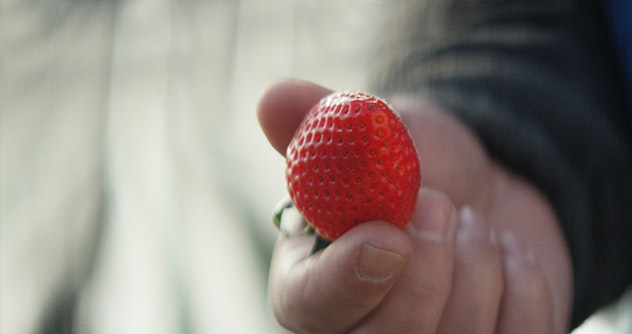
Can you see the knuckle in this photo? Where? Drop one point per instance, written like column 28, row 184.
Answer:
column 536, row 284
column 426, row 290
column 480, row 269
column 486, row 252
column 299, row 322
column 533, row 284
column 292, row 312
column 479, row 250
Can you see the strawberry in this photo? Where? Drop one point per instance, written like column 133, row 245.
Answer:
column 352, row 160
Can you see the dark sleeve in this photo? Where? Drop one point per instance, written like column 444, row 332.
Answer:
column 538, row 82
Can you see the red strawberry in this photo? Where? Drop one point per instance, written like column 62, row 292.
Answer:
column 350, row 161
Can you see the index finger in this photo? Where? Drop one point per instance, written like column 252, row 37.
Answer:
column 282, row 108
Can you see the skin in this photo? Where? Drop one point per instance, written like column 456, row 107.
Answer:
column 483, row 252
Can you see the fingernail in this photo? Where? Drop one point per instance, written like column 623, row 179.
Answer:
column 434, row 217
column 378, row 264
column 471, row 221
column 468, row 219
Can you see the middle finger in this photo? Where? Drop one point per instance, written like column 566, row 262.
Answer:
column 415, row 303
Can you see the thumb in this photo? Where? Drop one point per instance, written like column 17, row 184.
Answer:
column 335, row 288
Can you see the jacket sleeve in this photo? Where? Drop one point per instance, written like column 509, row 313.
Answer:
column 538, row 82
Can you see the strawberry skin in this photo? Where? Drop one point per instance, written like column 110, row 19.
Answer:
column 352, row 160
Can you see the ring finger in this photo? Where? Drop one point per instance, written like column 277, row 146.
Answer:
column 478, row 278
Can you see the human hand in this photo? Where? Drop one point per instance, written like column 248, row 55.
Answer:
column 498, row 264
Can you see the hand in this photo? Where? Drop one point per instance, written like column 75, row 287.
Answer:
column 499, row 263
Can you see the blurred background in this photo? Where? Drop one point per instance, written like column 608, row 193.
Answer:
column 136, row 188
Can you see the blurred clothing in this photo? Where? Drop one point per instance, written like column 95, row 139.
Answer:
column 619, row 14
